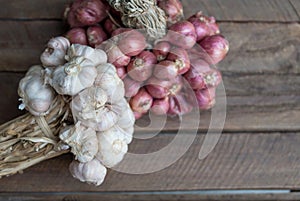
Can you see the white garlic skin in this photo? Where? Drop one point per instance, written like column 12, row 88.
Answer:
column 35, row 94
column 108, row 79
column 55, row 52
column 92, row 172
column 82, row 140
column 97, row 56
column 88, row 107
column 112, row 147
column 74, row 76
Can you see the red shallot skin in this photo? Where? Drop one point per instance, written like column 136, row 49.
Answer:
column 96, row 36
column 132, row 42
column 181, row 34
column 165, row 70
column 141, row 102
column 179, row 105
column 216, row 47
column 160, row 106
column 137, row 115
column 110, row 26
column 196, row 74
column 115, row 55
column 77, row 36
column 181, row 59
column 176, row 85
column 161, row 50
column 140, row 68
column 131, row 87
column 158, row 88
column 206, row 98
column 173, row 10
column 87, row 13
column 213, row 78
column 121, row 71
column 204, row 25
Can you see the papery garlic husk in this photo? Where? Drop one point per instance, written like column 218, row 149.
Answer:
column 78, row 74
column 82, row 140
column 97, row 56
column 92, row 172
column 108, row 79
column 55, row 52
column 90, row 107
column 127, row 118
column 126, row 124
column 112, row 147
column 36, row 96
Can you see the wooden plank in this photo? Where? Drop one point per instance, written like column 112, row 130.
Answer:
column 255, row 10
column 262, row 48
column 252, row 50
column 33, row 9
column 254, row 112
column 22, row 42
column 244, row 10
column 145, row 196
column 296, row 5
column 239, row 161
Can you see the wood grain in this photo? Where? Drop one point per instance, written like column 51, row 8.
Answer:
column 33, row 9
column 226, row 10
column 22, row 42
column 244, row 10
column 239, row 161
column 252, row 50
column 255, row 111
column 146, row 196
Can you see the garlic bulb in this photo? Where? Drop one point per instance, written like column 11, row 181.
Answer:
column 92, row 172
column 82, row 140
column 112, row 147
column 108, row 79
column 55, row 52
column 97, row 56
column 76, row 75
column 91, row 108
column 36, row 96
column 127, row 118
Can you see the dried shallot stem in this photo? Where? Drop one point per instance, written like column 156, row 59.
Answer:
column 142, row 14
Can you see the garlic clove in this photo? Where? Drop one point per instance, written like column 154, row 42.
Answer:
column 82, row 140
column 127, row 118
column 36, row 96
column 76, row 75
column 112, row 147
column 54, row 54
column 108, row 79
column 97, row 56
column 92, row 172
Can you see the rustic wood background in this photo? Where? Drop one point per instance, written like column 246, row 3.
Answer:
column 259, row 147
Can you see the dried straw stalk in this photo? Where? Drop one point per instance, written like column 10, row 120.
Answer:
column 28, row 140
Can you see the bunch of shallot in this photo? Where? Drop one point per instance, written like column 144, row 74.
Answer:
column 103, row 121
column 169, row 75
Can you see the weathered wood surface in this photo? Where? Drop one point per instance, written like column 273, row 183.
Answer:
column 148, row 196
column 239, row 161
column 224, row 10
column 245, row 10
column 254, row 48
column 259, row 148
column 247, row 113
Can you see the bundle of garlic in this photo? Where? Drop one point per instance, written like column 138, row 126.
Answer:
column 76, row 103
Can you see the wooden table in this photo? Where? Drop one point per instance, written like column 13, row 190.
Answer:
column 259, row 148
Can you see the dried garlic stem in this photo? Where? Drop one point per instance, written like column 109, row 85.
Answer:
column 28, row 140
